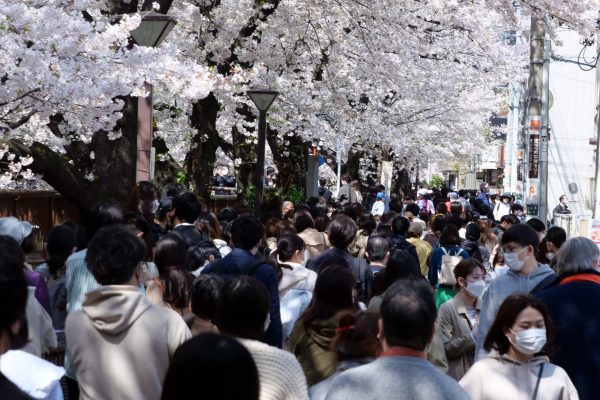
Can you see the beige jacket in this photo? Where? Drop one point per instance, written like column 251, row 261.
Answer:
column 316, row 242
column 456, row 333
column 359, row 245
column 120, row 345
column 499, row 377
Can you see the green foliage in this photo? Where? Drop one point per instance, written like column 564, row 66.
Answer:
column 180, row 177
column 295, row 195
column 250, row 195
column 436, row 182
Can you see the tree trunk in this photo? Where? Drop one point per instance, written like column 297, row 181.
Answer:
column 200, row 160
column 291, row 161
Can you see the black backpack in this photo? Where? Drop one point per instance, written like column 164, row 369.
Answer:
column 359, row 269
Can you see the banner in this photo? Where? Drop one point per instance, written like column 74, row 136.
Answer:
column 534, row 156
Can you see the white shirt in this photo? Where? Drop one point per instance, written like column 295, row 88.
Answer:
column 378, row 208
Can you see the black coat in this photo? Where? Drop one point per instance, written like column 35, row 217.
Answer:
column 575, row 317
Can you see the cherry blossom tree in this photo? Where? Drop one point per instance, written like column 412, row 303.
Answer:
column 416, row 78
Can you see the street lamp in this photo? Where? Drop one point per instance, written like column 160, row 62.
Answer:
column 150, row 33
column 262, row 98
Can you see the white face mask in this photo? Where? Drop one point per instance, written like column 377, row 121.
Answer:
column 550, row 256
column 513, row 262
column 529, row 341
column 476, row 288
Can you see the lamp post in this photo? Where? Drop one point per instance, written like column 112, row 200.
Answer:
column 262, row 98
column 150, row 33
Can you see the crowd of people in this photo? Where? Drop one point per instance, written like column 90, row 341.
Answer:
column 442, row 296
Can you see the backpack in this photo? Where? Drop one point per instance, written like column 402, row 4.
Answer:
column 218, row 268
column 359, row 268
column 199, row 252
column 446, row 272
column 322, row 190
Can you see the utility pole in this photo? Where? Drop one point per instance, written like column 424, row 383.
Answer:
column 596, row 193
column 536, row 190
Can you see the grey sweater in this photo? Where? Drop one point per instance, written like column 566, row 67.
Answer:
column 398, row 377
column 498, row 290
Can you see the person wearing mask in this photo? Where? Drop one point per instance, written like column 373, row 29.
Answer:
column 459, row 317
column 518, row 211
column 355, row 344
column 502, row 208
column 243, row 312
column 402, row 371
column 311, row 338
column 227, row 374
column 520, row 243
column 571, row 302
column 342, row 232
column 104, row 336
column 555, row 238
column 517, row 367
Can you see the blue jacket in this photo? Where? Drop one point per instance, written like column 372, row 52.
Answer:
column 238, row 259
column 575, row 317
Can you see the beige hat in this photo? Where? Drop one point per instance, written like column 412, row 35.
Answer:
column 416, row 228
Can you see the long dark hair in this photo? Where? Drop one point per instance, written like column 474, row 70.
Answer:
column 286, row 247
column 60, row 242
column 401, row 265
column 332, row 294
column 170, row 251
column 507, row 315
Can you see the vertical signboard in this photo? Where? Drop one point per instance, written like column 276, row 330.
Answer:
column 531, row 190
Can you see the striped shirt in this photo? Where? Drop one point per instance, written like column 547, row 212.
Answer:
column 79, row 281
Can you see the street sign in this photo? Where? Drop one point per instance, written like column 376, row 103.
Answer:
column 533, row 209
